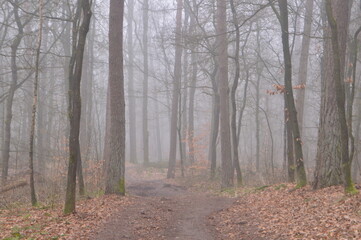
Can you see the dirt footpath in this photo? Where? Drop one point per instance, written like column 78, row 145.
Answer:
column 164, row 211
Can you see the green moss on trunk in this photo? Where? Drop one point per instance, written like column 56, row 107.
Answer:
column 301, row 177
column 122, row 186
column 349, row 186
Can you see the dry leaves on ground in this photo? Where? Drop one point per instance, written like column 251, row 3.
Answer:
column 50, row 223
column 278, row 212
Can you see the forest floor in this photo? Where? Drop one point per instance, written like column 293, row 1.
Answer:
column 192, row 208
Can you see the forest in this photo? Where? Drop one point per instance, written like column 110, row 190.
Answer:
column 180, row 119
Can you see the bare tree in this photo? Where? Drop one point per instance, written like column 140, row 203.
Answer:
column 176, row 91
column 81, row 24
column 35, row 102
column 233, row 96
column 13, row 86
column 289, row 99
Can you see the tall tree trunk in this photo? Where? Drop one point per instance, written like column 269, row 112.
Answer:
column 245, row 90
column 222, row 77
column 338, row 57
column 258, row 123
column 212, row 151
column 301, row 179
column 176, row 91
column 80, row 29
column 351, row 92
column 106, row 149
column 42, row 126
column 131, row 93
column 49, row 116
column 192, row 87
column 303, row 67
column 302, row 80
column 332, row 157
column 356, row 160
column 145, row 83
column 184, row 92
column 212, row 156
column 34, row 107
column 192, row 91
column 115, row 164
column 9, row 102
column 159, row 140
column 233, row 97
column 258, row 82
column 179, row 128
column 84, row 120
column 290, row 147
column 67, row 52
column 89, row 92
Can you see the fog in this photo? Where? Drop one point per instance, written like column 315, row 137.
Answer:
column 156, row 56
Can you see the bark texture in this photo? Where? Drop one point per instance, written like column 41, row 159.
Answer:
column 115, row 163
column 222, row 77
column 329, row 170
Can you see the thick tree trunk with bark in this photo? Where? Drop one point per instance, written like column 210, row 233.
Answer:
column 115, row 162
column 222, row 77
column 338, row 20
column 332, row 147
column 176, row 91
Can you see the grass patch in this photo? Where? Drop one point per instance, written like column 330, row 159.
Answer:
column 261, row 188
column 280, row 186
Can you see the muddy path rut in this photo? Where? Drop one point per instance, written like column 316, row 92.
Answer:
column 164, row 211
